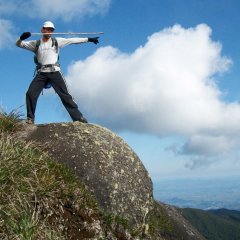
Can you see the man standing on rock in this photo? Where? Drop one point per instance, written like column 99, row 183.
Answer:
column 48, row 70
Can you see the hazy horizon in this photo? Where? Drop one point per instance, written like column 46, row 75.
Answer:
column 202, row 193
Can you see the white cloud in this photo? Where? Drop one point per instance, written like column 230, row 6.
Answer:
column 7, row 7
column 6, row 38
column 67, row 10
column 64, row 9
column 165, row 87
column 208, row 144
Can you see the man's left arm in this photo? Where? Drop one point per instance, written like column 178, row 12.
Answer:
column 62, row 42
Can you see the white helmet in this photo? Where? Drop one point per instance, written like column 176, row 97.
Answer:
column 48, row 24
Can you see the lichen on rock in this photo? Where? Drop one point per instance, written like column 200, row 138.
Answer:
column 104, row 162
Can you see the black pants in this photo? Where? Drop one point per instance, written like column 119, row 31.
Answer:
column 57, row 82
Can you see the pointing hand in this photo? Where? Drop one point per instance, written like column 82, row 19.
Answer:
column 94, row 40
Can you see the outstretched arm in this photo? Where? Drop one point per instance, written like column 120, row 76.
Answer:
column 62, row 42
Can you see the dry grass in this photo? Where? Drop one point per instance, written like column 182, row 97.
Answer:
column 34, row 192
column 10, row 122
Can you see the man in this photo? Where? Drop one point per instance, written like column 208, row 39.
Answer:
column 48, row 70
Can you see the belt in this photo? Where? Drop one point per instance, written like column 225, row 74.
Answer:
column 40, row 66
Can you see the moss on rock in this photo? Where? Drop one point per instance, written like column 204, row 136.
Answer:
column 105, row 163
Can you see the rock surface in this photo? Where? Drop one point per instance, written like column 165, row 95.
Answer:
column 104, row 162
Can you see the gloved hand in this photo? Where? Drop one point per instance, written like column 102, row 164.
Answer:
column 25, row 35
column 94, row 40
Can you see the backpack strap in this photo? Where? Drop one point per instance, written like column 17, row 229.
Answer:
column 55, row 43
column 37, row 45
column 36, row 51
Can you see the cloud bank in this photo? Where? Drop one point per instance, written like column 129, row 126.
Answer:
column 45, row 9
column 68, row 10
column 64, row 9
column 166, row 87
column 7, row 37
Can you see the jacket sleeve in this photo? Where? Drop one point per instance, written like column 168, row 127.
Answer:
column 29, row 45
column 62, row 42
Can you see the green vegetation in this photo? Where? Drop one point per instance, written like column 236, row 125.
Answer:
column 36, row 194
column 159, row 221
column 231, row 215
column 10, row 122
column 215, row 225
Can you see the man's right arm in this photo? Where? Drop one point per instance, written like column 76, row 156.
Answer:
column 24, row 36
column 18, row 42
column 29, row 45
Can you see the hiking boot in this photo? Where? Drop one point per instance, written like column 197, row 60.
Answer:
column 83, row 120
column 29, row 121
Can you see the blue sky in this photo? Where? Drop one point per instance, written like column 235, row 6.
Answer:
column 165, row 76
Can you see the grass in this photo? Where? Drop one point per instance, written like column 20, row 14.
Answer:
column 10, row 122
column 160, row 222
column 34, row 191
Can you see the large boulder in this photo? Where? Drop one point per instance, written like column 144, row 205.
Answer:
column 104, row 163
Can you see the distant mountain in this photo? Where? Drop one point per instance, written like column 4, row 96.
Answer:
column 227, row 214
column 221, row 224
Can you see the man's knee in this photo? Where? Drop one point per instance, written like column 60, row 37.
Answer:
column 32, row 93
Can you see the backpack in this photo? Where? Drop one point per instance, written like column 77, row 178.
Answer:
column 38, row 65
